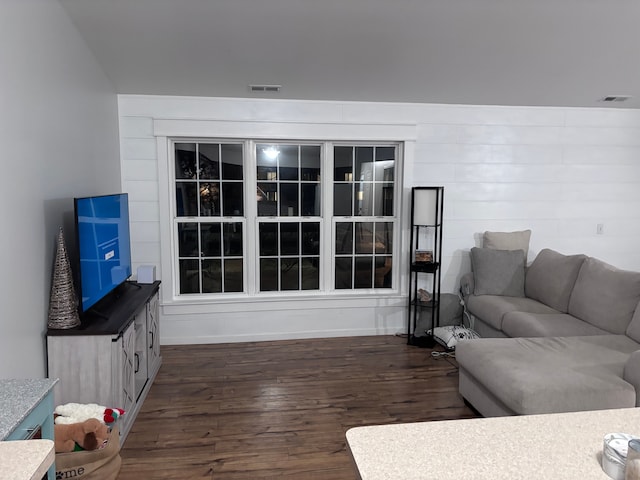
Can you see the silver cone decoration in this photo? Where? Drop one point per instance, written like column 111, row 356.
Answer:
column 63, row 303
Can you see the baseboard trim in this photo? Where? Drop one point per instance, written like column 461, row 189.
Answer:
column 265, row 337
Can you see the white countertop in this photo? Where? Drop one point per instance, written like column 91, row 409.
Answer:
column 26, row 459
column 564, row 446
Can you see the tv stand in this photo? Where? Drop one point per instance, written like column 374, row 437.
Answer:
column 97, row 313
column 113, row 356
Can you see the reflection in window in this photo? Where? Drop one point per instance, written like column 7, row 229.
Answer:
column 200, row 189
column 363, row 181
column 288, row 180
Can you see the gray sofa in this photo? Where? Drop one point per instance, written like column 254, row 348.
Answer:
column 564, row 334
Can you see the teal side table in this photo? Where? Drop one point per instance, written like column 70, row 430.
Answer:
column 26, row 407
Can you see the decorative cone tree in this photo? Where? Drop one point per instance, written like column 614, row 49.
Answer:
column 63, row 303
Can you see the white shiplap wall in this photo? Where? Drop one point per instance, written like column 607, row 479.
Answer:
column 557, row 171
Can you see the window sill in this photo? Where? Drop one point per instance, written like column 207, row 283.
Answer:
column 292, row 302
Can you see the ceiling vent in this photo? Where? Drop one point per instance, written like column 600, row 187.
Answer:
column 615, row 98
column 265, row 88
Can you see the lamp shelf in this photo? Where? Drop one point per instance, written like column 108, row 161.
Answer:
column 429, row 304
column 426, row 267
column 426, row 246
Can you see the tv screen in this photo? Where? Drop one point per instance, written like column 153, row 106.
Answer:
column 104, row 251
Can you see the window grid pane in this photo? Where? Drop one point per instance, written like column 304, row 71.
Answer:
column 210, row 257
column 289, row 256
column 364, row 252
column 363, row 182
column 199, row 189
column 288, row 180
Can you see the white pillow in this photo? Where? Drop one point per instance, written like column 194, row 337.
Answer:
column 449, row 336
column 507, row 241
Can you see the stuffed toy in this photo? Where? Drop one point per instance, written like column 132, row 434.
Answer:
column 88, row 435
column 78, row 412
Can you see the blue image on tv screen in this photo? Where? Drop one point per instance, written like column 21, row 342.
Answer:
column 102, row 230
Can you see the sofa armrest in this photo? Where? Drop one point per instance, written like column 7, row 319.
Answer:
column 467, row 284
column 632, row 373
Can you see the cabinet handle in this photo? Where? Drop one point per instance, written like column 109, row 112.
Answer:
column 31, row 432
column 137, row 357
column 152, row 338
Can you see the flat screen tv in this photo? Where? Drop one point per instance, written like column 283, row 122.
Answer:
column 104, row 245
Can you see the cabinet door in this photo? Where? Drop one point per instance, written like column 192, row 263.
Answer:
column 85, row 366
column 141, row 350
column 124, row 371
column 153, row 340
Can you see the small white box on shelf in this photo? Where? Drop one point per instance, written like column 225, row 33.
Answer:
column 146, row 273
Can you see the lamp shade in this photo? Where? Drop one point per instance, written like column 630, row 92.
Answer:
column 425, row 205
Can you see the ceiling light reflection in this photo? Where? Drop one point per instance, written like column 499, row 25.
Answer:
column 271, row 152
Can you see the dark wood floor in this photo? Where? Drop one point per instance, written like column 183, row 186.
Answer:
column 269, row 410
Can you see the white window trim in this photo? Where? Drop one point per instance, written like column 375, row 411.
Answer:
column 167, row 129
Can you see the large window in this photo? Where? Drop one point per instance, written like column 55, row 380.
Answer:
column 322, row 219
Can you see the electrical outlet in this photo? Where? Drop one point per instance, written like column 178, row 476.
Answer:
column 600, row 229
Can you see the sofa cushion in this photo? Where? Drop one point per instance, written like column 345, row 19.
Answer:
column 498, row 272
column 605, row 296
column 633, row 330
column 492, row 308
column 551, row 276
column 524, row 324
column 632, row 373
column 548, row 375
column 507, row 241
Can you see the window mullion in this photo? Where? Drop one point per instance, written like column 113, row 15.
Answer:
column 279, row 250
column 199, row 218
column 251, row 255
column 327, row 253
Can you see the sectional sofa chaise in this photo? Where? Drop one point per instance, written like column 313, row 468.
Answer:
column 560, row 335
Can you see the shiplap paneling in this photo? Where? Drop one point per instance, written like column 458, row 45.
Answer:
column 557, row 171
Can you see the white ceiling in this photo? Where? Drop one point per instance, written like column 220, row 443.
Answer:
column 490, row 52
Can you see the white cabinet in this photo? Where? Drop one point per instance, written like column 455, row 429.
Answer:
column 111, row 359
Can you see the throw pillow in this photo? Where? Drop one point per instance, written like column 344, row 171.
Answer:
column 551, row 277
column 508, row 241
column 498, row 272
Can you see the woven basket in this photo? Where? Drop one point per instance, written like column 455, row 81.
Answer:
column 103, row 464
